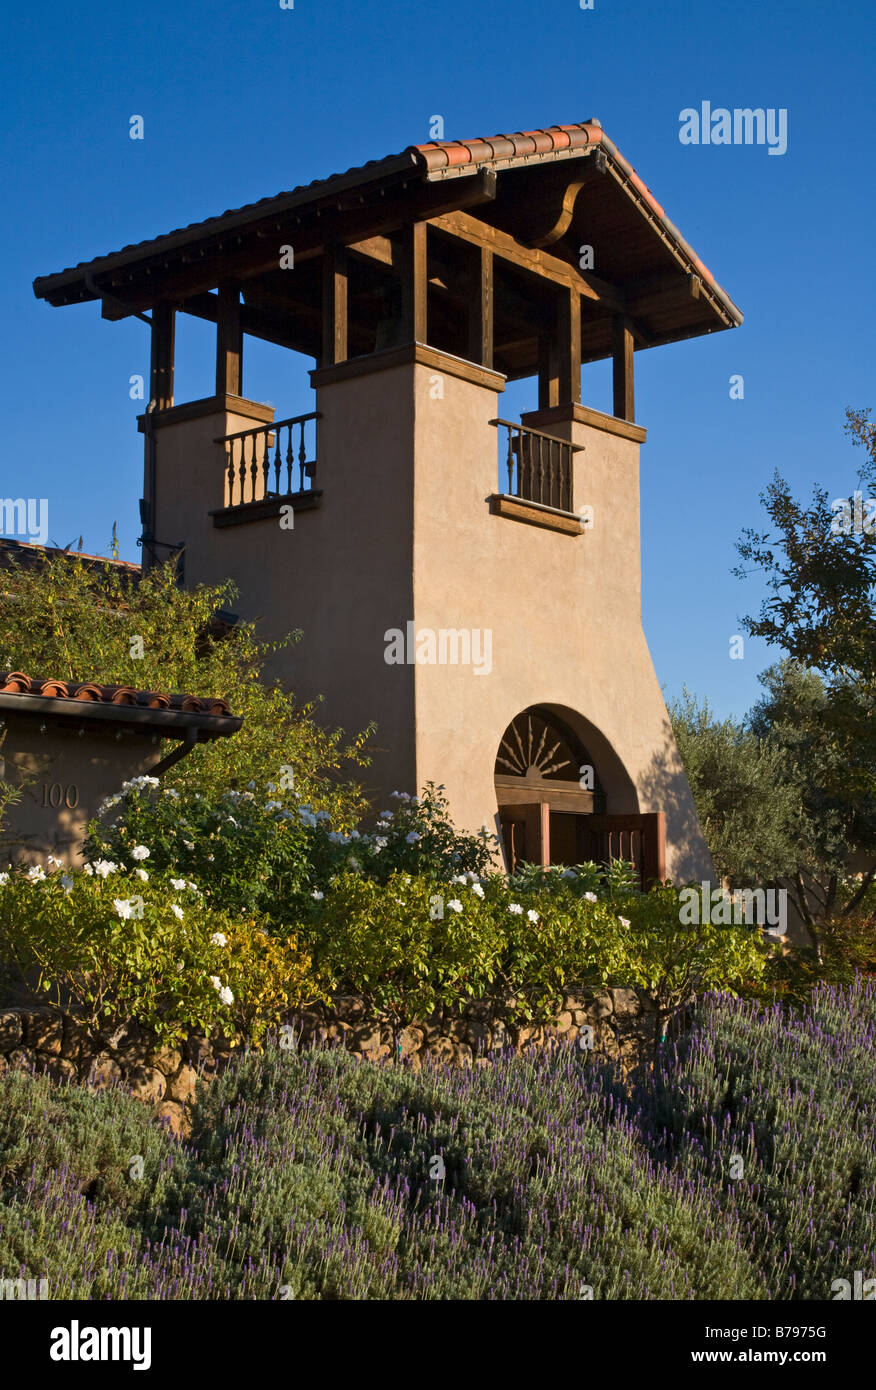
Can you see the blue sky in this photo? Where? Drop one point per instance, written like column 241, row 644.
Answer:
column 246, row 100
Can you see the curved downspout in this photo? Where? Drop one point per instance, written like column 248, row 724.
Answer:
column 176, row 754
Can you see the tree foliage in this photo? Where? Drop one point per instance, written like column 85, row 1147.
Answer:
column 72, row 619
column 821, row 585
column 789, row 793
column 749, row 811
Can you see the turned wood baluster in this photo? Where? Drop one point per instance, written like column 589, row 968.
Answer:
column 510, row 463
column 242, row 471
column 253, row 467
column 302, row 458
column 277, row 462
column 229, row 449
column 265, row 462
column 290, row 460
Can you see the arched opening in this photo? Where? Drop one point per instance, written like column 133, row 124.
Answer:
column 564, row 797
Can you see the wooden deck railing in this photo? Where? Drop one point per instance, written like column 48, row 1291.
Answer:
column 539, row 467
column 263, row 462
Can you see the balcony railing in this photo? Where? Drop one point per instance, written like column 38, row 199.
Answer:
column 539, row 467
column 270, row 461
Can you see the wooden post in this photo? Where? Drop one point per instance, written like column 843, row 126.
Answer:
column 622, row 353
column 480, row 323
column 537, row 815
column 653, row 847
column 229, row 342
column 334, row 304
column 415, row 283
column 161, row 375
column 548, row 369
column 569, row 344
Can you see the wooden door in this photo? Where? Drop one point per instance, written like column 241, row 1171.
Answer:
column 641, row 839
column 526, row 833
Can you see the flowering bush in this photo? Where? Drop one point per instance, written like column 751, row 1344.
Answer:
column 616, row 880
column 310, row 1176
column 119, row 942
column 388, row 943
column 791, row 1093
column 194, row 913
column 247, row 854
column 262, row 852
column 411, row 945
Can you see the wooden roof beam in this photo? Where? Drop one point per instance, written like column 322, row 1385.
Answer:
column 378, row 248
column 537, row 262
column 262, row 323
column 653, row 292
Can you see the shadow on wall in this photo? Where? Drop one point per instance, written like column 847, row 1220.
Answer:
column 620, row 791
column 663, row 786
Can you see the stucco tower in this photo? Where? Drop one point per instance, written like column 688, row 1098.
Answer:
column 470, row 582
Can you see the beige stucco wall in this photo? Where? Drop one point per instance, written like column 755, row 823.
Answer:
column 85, row 769
column 341, row 575
column 564, row 612
column 407, row 460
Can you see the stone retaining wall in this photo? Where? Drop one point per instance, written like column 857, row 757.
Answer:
column 623, row 1024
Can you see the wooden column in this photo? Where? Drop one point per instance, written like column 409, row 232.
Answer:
column 480, row 322
column 334, row 304
column 548, row 369
column 414, row 282
column 161, row 374
column 622, row 354
column 538, row 832
column 229, row 342
column 569, row 345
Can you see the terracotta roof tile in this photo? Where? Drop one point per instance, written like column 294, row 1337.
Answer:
column 29, row 550
column 444, row 153
column 17, row 683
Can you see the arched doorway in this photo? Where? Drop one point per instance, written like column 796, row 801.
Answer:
column 553, row 806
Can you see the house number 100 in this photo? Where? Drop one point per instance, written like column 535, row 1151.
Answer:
column 57, row 795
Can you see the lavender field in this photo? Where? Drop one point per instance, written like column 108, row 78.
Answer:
column 744, row 1166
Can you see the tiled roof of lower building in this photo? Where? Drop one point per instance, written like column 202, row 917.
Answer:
column 17, row 683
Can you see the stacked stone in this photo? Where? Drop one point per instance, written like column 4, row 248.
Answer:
column 55, row 1043
column 623, row 1024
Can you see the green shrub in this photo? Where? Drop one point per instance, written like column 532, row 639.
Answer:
column 71, row 619
column 314, row 1176
column 402, row 946
column 247, row 854
column 414, row 944
column 262, row 852
column 117, row 947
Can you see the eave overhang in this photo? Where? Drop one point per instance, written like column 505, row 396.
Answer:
column 671, row 293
